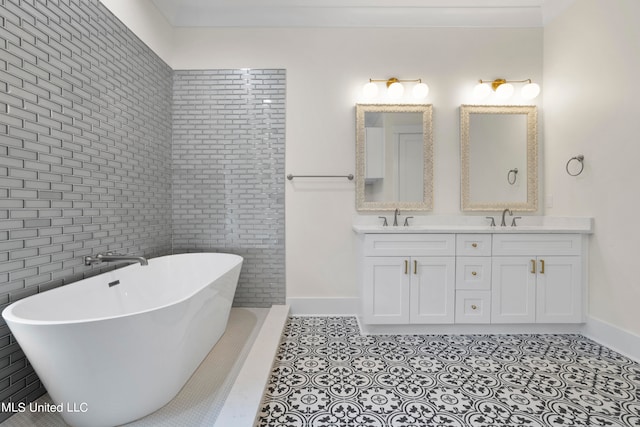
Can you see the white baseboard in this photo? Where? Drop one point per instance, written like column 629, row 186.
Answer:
column 324, row 306
column 620, row 340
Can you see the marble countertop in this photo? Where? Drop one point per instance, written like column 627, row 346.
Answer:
column 473, row 224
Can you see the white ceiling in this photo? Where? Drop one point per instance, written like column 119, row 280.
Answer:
column 360, row 13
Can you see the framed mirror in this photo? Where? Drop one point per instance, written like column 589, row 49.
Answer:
column 394, row 157
column 499, row 155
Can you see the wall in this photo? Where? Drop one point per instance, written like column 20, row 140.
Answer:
column 228, row 173
column 326, row 69
column 146, row 22
column 591, row 69
column 85, row 154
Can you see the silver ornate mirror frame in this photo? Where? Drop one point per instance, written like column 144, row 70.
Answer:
column 531, row 204
column 427, row 132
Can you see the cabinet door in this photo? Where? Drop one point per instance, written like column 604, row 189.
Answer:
column 559, row 290
column 513, row 292
column 385, row 290
column 374, row 153
column 432, row 289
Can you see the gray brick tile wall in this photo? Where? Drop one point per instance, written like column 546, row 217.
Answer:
column 101, row 144
column 228, row 173
column 85, row 154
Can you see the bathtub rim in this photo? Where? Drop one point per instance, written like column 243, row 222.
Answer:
column 10, row 317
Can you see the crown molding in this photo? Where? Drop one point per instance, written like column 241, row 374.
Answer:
column 355, row 13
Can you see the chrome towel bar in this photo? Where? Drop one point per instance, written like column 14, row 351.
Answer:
column 349, row 177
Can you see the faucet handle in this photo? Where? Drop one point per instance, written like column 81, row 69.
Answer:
column 513, row 221
column 384, row 223
column 493, row 221
column 406, row 221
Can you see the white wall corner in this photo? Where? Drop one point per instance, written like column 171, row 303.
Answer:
column 324, row 306
column 624, row 342
column 553, row 8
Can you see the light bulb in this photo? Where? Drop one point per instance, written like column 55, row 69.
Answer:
column 420, row 91
column 395, row 90
column 504, row 91
column 481, row 91
column 370, row 90
column 530, row 91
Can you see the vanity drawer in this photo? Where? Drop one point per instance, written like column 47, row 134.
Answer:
column 473, row 273
column 473, row 306
column 409, row 245
column 537, row 244
column 473, row 244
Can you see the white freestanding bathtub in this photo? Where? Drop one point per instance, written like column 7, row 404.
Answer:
column 115, row 347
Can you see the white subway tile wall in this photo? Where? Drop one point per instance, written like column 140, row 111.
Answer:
column 228, row 173
column 86, row 161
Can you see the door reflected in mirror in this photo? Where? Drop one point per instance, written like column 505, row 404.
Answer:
column 499, row 157
column 393, row 162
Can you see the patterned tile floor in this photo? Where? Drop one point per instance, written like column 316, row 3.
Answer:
column 326, row 374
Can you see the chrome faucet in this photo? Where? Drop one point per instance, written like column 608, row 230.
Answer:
column 110, row 257
column 504, row 212
column 395, row 217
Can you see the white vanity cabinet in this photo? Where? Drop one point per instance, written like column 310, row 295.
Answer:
column 498, row 276
column 408, row 278
column 537, row 278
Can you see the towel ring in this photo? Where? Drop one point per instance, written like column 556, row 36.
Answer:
column 580, row 159
column 513, row 171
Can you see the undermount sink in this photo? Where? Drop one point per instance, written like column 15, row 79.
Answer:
column 476, row 224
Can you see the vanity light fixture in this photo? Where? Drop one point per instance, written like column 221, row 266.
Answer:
column 504, row 89
column 395, row 89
